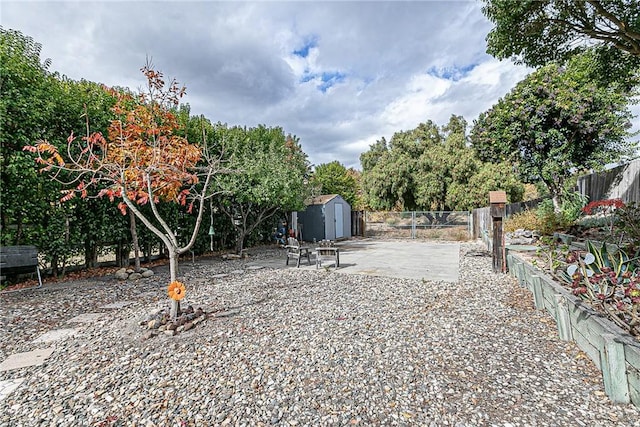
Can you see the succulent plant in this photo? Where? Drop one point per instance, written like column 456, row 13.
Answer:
column 608, row 279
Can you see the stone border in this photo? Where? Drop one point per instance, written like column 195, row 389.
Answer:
column 615, row 352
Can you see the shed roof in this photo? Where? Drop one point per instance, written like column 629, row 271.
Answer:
column 320, row 200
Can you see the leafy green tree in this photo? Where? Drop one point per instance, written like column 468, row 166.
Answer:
column 270, row 172
column 26, row 108
column 359, row 202
column 389, row 170
column 554, row 121
column 485, row 177
column 536, row 32
column 432, row 168
column 34, row 105
column 369, row 159
column 334, row 178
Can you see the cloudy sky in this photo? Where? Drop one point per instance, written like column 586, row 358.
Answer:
column 339, row 75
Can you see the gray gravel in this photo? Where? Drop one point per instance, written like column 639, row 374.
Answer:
column 303, row 347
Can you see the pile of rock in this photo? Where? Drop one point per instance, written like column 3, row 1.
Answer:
column 131, row 274
column 160, row 321
column 522, row 237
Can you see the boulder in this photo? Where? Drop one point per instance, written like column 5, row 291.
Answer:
column 121, row 274
column 147, row 273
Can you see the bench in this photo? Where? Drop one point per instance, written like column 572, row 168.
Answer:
column 327, row 251
column 16, row 260
column 296, row 251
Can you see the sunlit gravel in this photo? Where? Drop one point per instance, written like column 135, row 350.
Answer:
column 302, row 347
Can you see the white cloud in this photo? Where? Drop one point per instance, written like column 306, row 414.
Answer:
column 413, row 106
column 363, row 70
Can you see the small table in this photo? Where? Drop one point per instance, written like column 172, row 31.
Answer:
column 327, row 252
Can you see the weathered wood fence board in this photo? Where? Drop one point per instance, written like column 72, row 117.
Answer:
column 481, row 218
column 621, row 182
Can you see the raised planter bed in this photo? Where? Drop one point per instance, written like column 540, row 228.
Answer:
column 615, row 352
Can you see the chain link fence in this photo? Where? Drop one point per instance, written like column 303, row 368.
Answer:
column 449, row 225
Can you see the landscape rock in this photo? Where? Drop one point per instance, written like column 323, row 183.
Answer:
column 121, row 274
column 295, row 346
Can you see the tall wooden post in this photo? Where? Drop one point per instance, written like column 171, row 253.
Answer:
column 497, row 202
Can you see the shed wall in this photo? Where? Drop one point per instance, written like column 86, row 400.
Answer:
column 319, row 221
column 312, row 220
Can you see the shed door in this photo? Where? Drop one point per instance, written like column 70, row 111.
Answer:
column 339, row 220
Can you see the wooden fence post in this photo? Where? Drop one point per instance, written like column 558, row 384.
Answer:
column 497, row 200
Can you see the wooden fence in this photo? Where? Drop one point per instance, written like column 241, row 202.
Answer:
column 621, row 182
column 481, row 219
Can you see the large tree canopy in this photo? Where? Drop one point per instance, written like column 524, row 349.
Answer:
column 536, row 32
column 539, row 31
column 26, row 108
column 36, row 104
column 432, row 168
column 554, row 122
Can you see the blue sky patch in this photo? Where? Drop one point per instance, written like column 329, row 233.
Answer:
column 327, row 79
column 309, row 43
column 307, row 76
column 451, row 73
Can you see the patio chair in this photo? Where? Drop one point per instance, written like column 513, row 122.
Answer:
column 327, row 251
column 295, row 250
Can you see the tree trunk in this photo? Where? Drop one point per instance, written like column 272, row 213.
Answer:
column 146, row 250
column 240, row 243
column 173, row 273
column 54, row 265
column 90, row 253
column 19, row 231
column 122, row 254
column 134, row 238
column 557, row 203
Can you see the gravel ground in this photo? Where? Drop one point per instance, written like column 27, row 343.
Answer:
column 303, row 347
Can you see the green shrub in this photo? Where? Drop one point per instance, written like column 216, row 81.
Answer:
column 572, row 205
column 550, row 220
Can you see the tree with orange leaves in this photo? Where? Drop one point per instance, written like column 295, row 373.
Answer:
column 142, row 161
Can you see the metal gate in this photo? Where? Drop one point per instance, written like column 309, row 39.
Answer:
column 450, row 225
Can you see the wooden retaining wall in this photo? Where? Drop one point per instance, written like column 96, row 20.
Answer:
column 614, row 351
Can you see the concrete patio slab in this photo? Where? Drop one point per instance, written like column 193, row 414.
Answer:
column 411, row 259
column 23, row 360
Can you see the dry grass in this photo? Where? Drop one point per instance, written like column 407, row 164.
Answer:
column 456, row 234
